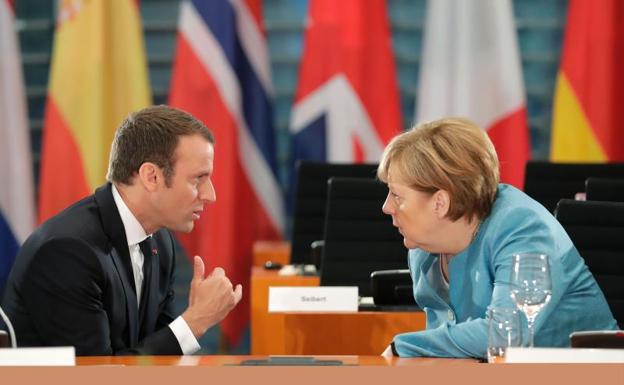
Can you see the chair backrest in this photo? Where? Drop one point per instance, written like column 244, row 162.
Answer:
column 4, row 339
column 310, row 201
column 548, row 182
column 597, row 230
column 604, row 189
column 359, row 237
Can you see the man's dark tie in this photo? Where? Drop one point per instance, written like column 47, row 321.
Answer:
column 148, row 256
column 146, row 249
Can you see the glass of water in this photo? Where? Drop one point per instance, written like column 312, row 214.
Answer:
column 504, row 330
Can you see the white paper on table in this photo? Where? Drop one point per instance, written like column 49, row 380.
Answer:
column 563, row 355
column 52, row 356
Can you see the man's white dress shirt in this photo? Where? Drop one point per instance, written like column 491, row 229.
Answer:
column 135, row 234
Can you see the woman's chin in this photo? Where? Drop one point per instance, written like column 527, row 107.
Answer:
column 416, row 245
column 410, row 244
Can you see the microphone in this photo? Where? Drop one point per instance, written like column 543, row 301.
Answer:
column 10, row 327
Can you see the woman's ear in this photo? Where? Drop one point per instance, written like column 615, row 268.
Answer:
column 150, row 176
column 442, row 203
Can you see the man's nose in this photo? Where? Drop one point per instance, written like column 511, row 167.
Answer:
column 208, row 193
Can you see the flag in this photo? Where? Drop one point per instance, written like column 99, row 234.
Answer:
column 346, row 106
column 17, row 209
column 586, row 123
column 98, row 76
column 471, row 68
column 221, row 75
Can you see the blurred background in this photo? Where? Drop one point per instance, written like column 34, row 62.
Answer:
column 540, row 25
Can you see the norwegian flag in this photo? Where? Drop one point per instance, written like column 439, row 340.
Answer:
column 347, row 103
column 221, row 75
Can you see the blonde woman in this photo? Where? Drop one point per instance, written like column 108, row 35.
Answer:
column 461, row 228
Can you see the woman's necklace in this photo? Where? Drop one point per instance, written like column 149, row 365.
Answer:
column 446, row 257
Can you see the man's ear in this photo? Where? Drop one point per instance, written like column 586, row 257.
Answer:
column 150, row 176
column 442, row 203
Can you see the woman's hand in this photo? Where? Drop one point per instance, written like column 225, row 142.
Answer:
column 388, row 352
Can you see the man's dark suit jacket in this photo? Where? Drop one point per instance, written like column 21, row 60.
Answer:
column 72, row 284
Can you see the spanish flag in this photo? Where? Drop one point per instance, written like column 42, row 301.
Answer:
column 590, row 86
column 98, row 76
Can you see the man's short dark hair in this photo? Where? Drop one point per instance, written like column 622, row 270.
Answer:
column 151, row 135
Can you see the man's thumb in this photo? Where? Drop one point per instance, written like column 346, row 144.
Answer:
column 198, row 268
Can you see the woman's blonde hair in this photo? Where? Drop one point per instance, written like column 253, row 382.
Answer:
column 450, row 154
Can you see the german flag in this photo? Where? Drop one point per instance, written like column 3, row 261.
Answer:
column 98, row 76
column 590, row 86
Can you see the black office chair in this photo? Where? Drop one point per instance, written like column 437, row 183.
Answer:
column 548, row 182
column 310, row 201
column 4, row 339
column 359, row 237
column 597, row 230
column 603, row 189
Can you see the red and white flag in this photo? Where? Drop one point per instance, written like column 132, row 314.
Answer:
column 222, row 76
column 471, row 68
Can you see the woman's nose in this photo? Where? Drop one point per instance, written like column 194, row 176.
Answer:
column 387, row 206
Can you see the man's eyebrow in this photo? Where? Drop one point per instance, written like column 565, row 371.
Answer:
column 203, row 173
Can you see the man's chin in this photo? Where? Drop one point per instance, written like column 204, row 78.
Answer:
column 185, row 228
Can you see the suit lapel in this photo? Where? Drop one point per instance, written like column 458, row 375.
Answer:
column 427, row 294
column 120, row 254
column 129, row 290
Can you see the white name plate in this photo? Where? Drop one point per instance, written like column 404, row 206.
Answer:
column 61, row 356
column 564, row 355
column 311, row 299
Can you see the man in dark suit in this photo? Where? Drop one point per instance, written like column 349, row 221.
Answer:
column 99, row 275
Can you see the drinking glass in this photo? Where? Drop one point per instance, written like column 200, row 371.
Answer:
column 504, row 330
column 530, row 286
